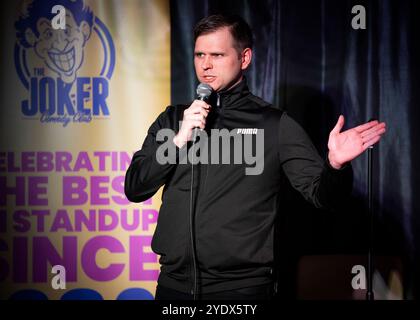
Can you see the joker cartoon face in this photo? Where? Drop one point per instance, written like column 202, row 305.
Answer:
column 61, row 50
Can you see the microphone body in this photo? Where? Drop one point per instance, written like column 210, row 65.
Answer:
column 203, row 92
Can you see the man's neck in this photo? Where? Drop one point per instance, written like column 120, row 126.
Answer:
column 233, row 85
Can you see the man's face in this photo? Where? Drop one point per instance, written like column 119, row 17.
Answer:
column 216, row 60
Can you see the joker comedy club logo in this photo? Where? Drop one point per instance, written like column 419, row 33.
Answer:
column 57, row 67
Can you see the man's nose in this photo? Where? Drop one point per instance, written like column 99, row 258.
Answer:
column 207, row 63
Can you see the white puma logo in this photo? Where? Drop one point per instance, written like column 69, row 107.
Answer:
column 247, row 131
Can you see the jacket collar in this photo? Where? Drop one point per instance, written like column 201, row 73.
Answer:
column 229, row 98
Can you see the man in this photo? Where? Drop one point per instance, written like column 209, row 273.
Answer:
column 224, row 249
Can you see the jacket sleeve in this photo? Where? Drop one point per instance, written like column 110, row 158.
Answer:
column 313, row 177
column 146, row 174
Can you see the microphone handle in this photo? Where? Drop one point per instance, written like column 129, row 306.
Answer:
column 195, row 130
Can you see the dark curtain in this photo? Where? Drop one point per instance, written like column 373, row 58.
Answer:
column 309, row 61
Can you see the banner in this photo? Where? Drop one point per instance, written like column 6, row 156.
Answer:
column 82, row 81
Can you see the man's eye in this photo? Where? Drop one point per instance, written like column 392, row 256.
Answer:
column 199, row 55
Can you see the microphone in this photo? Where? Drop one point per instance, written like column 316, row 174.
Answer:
column 204, row 91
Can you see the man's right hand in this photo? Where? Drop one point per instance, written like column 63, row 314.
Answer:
column 194, row 117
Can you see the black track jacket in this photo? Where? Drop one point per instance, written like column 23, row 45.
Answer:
column 233, row 212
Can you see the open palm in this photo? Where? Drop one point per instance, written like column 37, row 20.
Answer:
column 347, row 145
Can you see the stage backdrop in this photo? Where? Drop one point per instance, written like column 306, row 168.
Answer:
column 75, row 105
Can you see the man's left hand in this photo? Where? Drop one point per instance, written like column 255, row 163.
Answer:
column 347, row 145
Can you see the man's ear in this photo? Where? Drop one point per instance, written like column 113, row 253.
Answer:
column 86, row 30
column 246, row 58
column 30, row 37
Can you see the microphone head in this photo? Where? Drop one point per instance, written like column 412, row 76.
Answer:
column 204, row 91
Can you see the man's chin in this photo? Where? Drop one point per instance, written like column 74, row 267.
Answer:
column 213, row 85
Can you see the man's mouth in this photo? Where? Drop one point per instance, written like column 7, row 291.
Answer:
column 63, row 60
column 209, row 79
